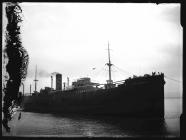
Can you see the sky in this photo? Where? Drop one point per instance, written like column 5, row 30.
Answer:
column 72, row 39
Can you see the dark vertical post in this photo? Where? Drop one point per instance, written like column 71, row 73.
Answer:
column 30, row 89
column 64, row 85
column 51, row 82
column 23, row 87
column 109, row 82
column 109, row 64
column 68, row 81
column 35, row 80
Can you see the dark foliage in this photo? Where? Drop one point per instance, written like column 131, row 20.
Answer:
column 17, row 60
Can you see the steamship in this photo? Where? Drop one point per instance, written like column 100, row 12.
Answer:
column 137, row 96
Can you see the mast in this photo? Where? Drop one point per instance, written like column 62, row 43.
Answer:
column 30, row 89
column 35, row 80
column 109, row 65
column 67, row 81
column 51, row 82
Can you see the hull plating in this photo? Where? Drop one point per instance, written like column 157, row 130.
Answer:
column 142, row 98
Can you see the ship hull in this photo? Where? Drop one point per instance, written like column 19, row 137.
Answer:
column 140, row 99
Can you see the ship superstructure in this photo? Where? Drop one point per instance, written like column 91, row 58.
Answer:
column 137, row 96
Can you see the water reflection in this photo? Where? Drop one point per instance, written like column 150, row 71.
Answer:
column 38, row 124
column 118, row 126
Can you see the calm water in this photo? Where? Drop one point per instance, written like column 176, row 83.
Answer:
column 37, row 124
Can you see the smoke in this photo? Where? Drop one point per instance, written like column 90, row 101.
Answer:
column 54, row 73
column 43, row 73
